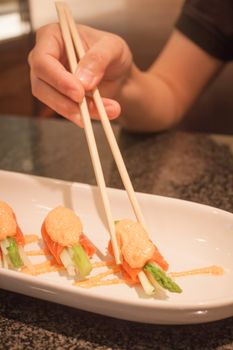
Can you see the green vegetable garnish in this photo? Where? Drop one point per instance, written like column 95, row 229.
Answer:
column 81, row 259
column 13, row 253
column 162, row 278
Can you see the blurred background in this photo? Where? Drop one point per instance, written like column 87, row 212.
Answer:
column 144, row 24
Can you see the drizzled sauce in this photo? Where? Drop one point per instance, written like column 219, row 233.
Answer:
column 104, row 263
column 99, row 279
column 209, row 270
column 45, row 267
column 102, row 283
column 31, row 238
column 42, row 252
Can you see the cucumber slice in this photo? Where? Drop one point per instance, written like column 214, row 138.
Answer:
column 146, row 285
column 67, row 262
column 4, row 245
column 4, row 254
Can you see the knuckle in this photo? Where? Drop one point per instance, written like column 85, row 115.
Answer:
column 41, row 31
column 35, row 60
column 36, row 63
column 97, row 57
column 118, row 42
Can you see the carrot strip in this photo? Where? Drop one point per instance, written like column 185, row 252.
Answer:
column 19, row 237
column 159, row 259
column 87, row 246
column 54, row 248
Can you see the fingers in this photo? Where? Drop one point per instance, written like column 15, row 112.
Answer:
column 112, row 108
column 60, row 103
column 54, row 85
column 51, row 71
column 64, row 106
column 45, row 65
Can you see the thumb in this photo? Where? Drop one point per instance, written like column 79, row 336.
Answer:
column 94, row 63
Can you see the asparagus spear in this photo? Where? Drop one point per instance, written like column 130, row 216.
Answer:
column 161, row 277
column 13, row 253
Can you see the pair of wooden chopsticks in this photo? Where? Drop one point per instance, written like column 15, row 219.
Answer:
column 74, row 47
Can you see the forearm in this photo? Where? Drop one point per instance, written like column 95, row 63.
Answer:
column 148, row 103
column 158, row 99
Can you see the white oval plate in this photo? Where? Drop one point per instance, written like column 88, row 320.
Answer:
column 189, row 235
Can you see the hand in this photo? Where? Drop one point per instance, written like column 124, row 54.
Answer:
column 107, row 63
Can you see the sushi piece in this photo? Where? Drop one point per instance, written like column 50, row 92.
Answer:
column 141, row 260
column 62, row 233
column 12, row 240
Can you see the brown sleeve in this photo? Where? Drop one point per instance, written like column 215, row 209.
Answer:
column 209, row 24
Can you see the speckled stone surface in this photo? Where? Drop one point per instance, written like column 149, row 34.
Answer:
column 196, row 167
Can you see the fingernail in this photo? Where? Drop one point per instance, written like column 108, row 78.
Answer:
column 85, row 76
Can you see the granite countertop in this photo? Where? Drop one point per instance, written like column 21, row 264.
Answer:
column 196, row 167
